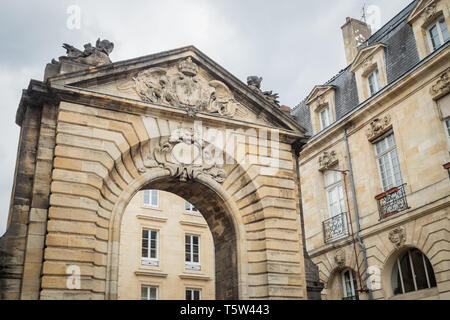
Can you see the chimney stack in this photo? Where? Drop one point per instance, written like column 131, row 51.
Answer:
column 355, row 33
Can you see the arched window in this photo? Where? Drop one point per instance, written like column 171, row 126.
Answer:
column 412, row 271
column 349, row 284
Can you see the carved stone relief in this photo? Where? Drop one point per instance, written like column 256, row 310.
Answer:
column 340, row 258
column 430, row 12
column 378, row 127
column 398, row 236
column 185, row 155
column 93, row 56
column 327, row 160
column 441, row 87
column 182, row 86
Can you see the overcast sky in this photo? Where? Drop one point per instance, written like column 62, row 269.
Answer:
column 293, row 45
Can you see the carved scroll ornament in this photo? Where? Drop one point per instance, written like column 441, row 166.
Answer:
column 378, row 127
column 185, row 155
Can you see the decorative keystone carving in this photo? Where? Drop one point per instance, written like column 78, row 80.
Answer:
column 340, row 258
column 441, row 87
column 327, row 160
column 367, row 65
column 183, row 87
column 93, row 56
column 378, row 127
column 184, row 155
column 398, row 236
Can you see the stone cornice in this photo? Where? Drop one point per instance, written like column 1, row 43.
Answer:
column 364, row 55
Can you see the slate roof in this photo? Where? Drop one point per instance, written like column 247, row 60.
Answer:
column 401, row 55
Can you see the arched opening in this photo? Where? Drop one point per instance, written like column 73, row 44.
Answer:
column 217, row 212
column 343, row 285
column 411, row 272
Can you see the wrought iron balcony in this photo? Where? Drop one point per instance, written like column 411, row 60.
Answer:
column 392, row 202
column 335, row 228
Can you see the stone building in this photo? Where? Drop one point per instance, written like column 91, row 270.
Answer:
column 374, row 180
column 167, row 250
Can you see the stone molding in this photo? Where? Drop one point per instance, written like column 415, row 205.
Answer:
column 378, row 127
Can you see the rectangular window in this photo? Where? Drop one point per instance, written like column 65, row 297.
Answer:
column 150, row 247
column 324, row 116
column 151, row 198
column 193, row 294
column 335, row 193
column 374, row 82
column 388, row 163
column 438, row 34
column 189, row 207
column 149, row 293
column 192, row 252
column 447, row 125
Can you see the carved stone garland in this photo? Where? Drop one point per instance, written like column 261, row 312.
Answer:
column 184, row 155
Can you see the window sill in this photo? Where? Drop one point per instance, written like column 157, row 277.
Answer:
column 186, row 276
column 149, row 273
column 151, row 218
column 149, row 207
column 432, row 293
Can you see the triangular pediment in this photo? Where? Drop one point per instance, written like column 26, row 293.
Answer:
column 420, row 7
column 318, row 91
column 181, row 78
column 364, row 55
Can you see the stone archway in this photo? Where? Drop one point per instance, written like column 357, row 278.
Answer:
column 229, row 240
column 96, row 144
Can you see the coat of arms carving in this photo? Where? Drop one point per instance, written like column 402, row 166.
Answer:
column 378, row 127
column 185, row 155
column 182, row 86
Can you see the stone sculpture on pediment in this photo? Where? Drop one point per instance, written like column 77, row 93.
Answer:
column 183, row 87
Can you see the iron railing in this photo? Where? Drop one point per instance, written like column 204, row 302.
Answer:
column 336, row 228
column 392, row 202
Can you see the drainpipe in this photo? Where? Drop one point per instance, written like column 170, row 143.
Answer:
column 358, row 225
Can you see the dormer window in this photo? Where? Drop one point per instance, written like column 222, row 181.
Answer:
column 324, row 116
column 438, row 34
column 374, row 82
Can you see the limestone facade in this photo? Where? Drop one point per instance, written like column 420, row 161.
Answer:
column 94, row 136
column 168, row 275
column 355, row 221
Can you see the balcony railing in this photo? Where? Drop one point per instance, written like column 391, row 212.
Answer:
column 392, row 202
column 335, row 228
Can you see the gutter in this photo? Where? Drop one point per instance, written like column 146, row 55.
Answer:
column 358, row 225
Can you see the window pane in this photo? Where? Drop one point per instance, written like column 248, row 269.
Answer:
column 434, row 34
column 407, row 273
column 154, row 198
column 196, row 295
column 146, row 196
column 444, row 29
column 188, row 295
column 348, row 292
column 153, row 293
column 419, row 269
column 144, row 293
column 430, row 271
column 447, row 123
column 396, row 280
column 187, row 206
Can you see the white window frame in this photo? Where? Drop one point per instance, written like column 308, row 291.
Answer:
column 191, row 265
column 388, row 152
column 437, row 24
column 148, row 260
column 352, row 284
column 150, row 287
column 189, row 207
column 150, row 197
column 324, row 121
column 411, row 265
column 376, row 83
column 334, row 187
column 192, row 290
